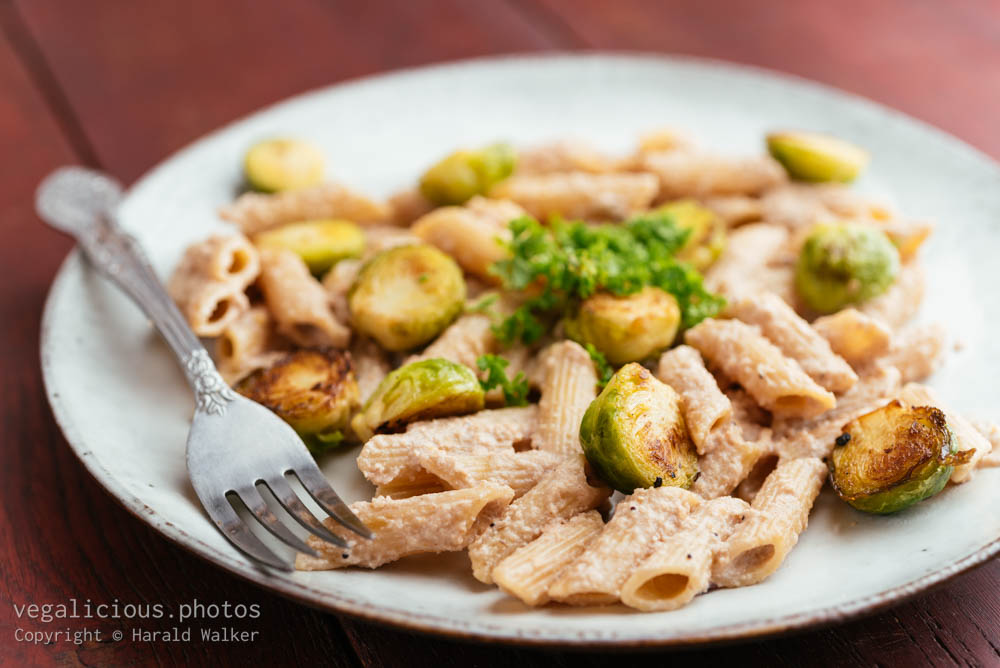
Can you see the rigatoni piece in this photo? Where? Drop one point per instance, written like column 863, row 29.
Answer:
column 570, row 385
column 795, row 338
column 473, row 234
column 386, row 457
column 297, row 301
column 680, row 567
column 209, row 281
column 917, row 351
column 442, row 522
column 901, row 301
column 759, row 546
column 743, row 266
column 855, row 336
column 462, row 342
column 969, row 438
column 371, row 365
column 530, row 570
column 518, row 470
column 254, row 212
column 580, row 195
column 562, row 493
column 641, row 519
column 248, row 343
column 705, row 406
column 777, row 383
column 695, row 173
column 729, row 460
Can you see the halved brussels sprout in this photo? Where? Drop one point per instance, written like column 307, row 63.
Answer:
column 419, row 391
column 629, row 328
column 283, row 164
column 634, row 435
column 404, row 296
column 893, row 457
column 811, row 156
column 320, row 243
column 708, row 232
column 463, row 174
column 842, row 264
column 314, row 391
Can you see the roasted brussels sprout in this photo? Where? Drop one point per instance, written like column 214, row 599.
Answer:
column 314, row 391
column 405, row 296
column 810, row 156
column 634, row 433
column 463, row 174
column 283, row 164
column 842, row 264
column 629, row 328
column 894, row 456
column 708, row 232
column 320, row 243
column 418, row 391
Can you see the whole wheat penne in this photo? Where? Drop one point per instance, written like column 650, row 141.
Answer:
column 917, row 351
column 680, row 567
column 776, row 382
column 518, row 470
column 734, row 209
column 561, row 493
column 463, row 341
column 697, row 173
column 705, row 406
column 298, row 303
column 901, row 301
column 761, row 543
column 969, row 438
column 991, row 432
column 562, row 156
column 795, row 338
column 254, row 212
column 640, row 520
column 728, row 461
column 248, row 343
column 744, row 266
column 528, row 572
column 371, row 365
column 442, row 522
column 579, row 195
column 570, row 386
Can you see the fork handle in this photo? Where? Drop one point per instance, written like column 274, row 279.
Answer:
column 118, row 256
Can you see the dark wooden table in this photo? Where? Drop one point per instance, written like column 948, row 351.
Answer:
column 120, row 84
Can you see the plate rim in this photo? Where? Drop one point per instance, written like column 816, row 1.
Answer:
column 478, row 631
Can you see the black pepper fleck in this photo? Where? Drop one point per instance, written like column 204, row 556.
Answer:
column 344, row 555
column 689, row 556
column 658, row 482
column 843, row 439
column 631, row 508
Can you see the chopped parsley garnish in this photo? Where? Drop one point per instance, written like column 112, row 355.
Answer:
column 515, row 391
column 604, row 370
column 567, row 262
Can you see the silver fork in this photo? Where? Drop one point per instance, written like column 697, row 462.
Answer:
column 234, row 444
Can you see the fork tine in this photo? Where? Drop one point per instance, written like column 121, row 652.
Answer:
column 255, row 503
column 289, row 499
column 240, row 535
column 320, row 490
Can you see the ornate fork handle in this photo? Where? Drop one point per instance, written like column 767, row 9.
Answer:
column 81, row 203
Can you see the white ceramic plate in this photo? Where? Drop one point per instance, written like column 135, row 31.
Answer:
column 124, row 406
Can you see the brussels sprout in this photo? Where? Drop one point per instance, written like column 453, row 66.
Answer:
column 894, row 456
column 634, row 433
column 708, row 232
column 463, row 174
column 418, row 391
column 320, row 243
column 629, row 328
column 844, row 264
column 404, row 296
column 283, row 164
column 810, row 156
column 314, row 391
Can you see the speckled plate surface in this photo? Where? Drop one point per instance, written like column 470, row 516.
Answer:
column 124, row 407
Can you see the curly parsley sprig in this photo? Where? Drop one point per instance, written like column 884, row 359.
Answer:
column 515, row 390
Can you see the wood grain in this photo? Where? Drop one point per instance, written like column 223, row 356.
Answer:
column 120, row 85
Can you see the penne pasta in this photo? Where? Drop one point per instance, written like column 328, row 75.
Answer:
column 761, row 543
column 561, row 493
column 900, row 302
column 579, row 195
column 561, row 156
column 248, row 343
column 917, row 351
column 796, row 339
column 528, row 572
column 728, row 461
column 641, row 519
column 680, row 567
column 298, row 303
column 695, row 173
column 744, row 266
column 776, row 382
column 463, row 341
column 442, row 522
column 734, row 209
column 518, row 470
column 569, row 387
column 254, row 212
column 705, row 406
